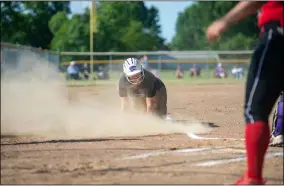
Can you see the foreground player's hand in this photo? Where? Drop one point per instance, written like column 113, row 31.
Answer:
column 215, row 30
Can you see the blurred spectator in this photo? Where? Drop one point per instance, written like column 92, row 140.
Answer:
column 86, row 71
column 156, row 73
column 73, row 71
column 179, row 72
column 103, row 73
column 237, row 72
column 220, row 71
column 144, row 62
column 195, row 71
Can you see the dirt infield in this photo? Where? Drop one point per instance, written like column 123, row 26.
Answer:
column 157, row 159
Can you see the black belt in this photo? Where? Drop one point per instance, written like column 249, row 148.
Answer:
column 272, row 25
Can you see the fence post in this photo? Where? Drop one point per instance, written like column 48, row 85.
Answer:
column 2, row 60
column 2, row 56
column 208, row 63
column 110, row 63
column 48, row 57
column 58, row 59
column 160, row 64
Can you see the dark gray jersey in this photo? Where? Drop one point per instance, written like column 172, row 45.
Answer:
column 147, row 88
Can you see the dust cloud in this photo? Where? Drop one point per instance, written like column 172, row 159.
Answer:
column 34, row 101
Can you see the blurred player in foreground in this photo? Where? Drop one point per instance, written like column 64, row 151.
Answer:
column 265, row 77
column 142, row 90
column 278, row 122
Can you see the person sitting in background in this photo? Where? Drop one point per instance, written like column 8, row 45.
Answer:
column 86, row 71
column 144, row 62
column 237, row 72
column 179, row 72
column 103, row 73
column 155, row 72
column 220, row 71
column 73, row 71
column 194, row 71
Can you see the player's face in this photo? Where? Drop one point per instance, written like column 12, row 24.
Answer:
column 136, row 78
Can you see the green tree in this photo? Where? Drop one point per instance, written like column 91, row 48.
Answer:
column 39, row 14
column 27, row 22
column 119, row 19
column 13, row 22
column 192, row 23
column 121, row 26
column 70, row 34
column 238, row 42
column 56, row 21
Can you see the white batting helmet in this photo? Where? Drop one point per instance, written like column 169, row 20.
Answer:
column 133, row 71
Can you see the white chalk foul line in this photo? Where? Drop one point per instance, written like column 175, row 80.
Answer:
column 194, row 136
column 151, row 154
column 226, row 161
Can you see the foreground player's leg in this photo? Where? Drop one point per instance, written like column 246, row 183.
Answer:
column 264, row 85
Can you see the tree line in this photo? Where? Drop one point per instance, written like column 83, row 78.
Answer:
column 121, row 26
column 192, row 23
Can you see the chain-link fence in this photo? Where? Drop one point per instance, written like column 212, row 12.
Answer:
column 15, row 56
column 165, row 64
column 108, row 65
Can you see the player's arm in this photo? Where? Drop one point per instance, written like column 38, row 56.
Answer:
column 242, row 10
column 123, row 96
column 150, row 103
column 151, row 98
column 123, row 103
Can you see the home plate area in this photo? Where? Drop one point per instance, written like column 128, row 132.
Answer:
column 200, row 164
column 217, row 157
column 130, row 160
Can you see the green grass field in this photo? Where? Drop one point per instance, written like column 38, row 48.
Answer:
column 168, row 77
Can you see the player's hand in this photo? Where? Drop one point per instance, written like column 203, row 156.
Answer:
column 215, row 30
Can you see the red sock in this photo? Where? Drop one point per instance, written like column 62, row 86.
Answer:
column 257, row 141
